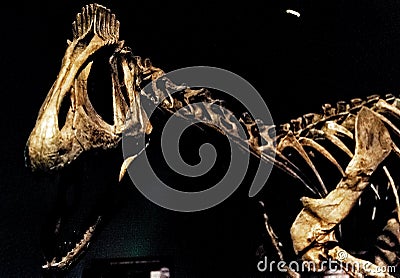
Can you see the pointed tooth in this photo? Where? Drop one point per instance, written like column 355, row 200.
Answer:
column 312, row 144
column 334, row 128
column 290, row 141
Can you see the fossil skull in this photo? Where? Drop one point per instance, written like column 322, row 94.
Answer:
column 51, row 146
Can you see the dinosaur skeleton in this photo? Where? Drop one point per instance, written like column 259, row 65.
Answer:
column 368, row 124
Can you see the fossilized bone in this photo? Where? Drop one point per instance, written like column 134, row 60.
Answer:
column 51, row 147
column 314, row 227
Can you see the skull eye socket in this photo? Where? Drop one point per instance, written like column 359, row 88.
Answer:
column 99, row 86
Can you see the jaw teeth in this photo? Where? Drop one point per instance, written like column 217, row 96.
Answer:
column 76, row 251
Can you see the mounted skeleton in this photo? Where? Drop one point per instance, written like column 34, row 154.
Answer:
column 365, row 123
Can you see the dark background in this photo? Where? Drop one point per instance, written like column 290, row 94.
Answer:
column 335, row 51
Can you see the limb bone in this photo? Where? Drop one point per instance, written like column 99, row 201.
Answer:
column 314, row 227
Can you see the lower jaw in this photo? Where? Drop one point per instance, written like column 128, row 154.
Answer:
column 72, row 256
column 84, row 197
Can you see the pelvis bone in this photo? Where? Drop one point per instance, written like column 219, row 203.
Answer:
column 50, row 146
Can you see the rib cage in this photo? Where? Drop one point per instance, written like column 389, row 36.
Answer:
column 329, row 133
column 334, row 125
column 310, row 133
column 305, row 135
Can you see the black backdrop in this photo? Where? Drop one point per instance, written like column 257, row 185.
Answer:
column 336, row 50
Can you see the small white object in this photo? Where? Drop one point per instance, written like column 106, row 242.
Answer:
column 373, row 214
column 293, row 12
column 155, row 274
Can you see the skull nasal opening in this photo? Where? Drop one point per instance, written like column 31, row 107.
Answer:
column 99, row 86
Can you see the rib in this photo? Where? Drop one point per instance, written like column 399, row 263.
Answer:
column 333, row 128
column 290, row 141
column 312, row 144
column 335, row 140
